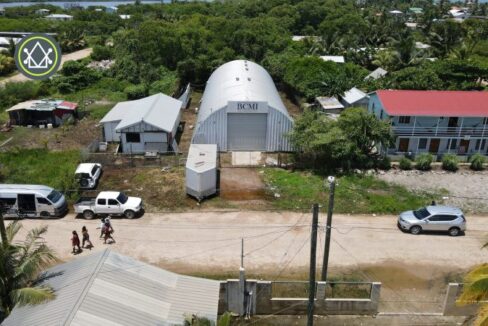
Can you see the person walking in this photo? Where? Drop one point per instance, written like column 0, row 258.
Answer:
column 107, row 231
column 86, row 238
column 75, row 242
column 102, row 224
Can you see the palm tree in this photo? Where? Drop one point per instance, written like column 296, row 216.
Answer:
column 20, row 265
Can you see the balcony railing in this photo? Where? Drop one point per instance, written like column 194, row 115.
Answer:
column 478, row 131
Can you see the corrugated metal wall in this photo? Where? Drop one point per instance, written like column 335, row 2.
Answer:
column 213, row 130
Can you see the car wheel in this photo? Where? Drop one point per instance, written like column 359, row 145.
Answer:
column 88, row 215
column 454, row 232
column 129, row 214
column 84, row 183
column 415, row 229
column 45, row 214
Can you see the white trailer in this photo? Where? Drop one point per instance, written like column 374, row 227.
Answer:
column 201, row 170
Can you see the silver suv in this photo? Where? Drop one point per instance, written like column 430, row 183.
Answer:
column 433, row 218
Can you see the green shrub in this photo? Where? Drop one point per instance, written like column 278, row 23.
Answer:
column 135, row 92
column 405, row 164
column 101, row 53
column 384, row 163
column 423, row 162
column 477, row 161
column 450, row 162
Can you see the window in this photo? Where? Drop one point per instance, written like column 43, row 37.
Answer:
column 404, row 120
column 95, row 169
column 133, row 137
column 442, row 218
column 43, row 201
column 101, row 201
column 54, row 196
column 381, row 114
column 483, row 144
column 7, row 201
column 122, row 198
column 485, row 121
column 422, row 143
column 452, row 143
column 421, row 213
column 478, row 143
column 113, row 202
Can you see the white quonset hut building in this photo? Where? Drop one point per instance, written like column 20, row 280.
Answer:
column 149, row 124
column 241, row 110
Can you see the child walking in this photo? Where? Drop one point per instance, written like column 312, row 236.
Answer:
column 107, row 231
column 86, row 238
column 75, row 242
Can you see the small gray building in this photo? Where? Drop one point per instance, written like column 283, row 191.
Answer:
column 149, row 124
column 201, row 170
column 241, row 110
column 106, row 288
column 355, row 97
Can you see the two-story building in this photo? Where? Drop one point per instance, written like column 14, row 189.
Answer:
column 437, row 122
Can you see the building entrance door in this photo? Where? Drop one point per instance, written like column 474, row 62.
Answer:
column 434, row 145
column 463, row 146
column 403, row 145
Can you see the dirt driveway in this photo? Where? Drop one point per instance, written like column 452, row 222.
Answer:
column 467, row 189
column 414, row 269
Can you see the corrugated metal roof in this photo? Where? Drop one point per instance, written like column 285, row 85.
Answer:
column 202, row 157
column 107, row 288
column 333, row 58
column 353, row 95
column 239, row 80
column 377, row 73
column 434, row 103
column 329, row 103
column 159, row 110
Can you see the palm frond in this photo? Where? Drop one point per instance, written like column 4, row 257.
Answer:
column 482, row 316
column 475, row 291
column 34, row 261
column 32, row 295
column 12, row 229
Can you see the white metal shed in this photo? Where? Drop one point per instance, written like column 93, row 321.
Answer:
column 201, row 170
column 147, row 124
column 241, row 110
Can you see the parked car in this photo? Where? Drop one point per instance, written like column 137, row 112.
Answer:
column 19, row 201
column 109, row 203
column 433, row 218
column 87, row 175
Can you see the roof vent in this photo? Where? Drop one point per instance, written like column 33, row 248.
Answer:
column 237, row 78
column 248, row 78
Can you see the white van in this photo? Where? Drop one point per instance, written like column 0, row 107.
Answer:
column 31, row 201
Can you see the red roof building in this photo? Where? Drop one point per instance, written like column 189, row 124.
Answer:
column 434, row 121
column 434, row 103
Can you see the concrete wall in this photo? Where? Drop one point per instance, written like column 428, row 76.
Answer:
column 263, row 303
column 451, row 308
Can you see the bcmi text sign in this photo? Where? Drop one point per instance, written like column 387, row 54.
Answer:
column 247, row 107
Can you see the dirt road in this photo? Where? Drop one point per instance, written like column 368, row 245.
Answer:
column 211, row 240
column 414, row 270
column 67, row 57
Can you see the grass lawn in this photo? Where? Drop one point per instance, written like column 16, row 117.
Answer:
column 354, row 194
column 39, row 166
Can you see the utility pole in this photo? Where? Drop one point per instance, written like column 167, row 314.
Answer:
column 325, row 263
column 313, row 262
column 242, row 252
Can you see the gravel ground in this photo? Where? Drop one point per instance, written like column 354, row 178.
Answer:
column 467, row 189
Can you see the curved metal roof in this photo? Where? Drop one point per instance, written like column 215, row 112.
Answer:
column 239, row 80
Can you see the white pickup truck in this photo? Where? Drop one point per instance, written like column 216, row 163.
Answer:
column 109, row 203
